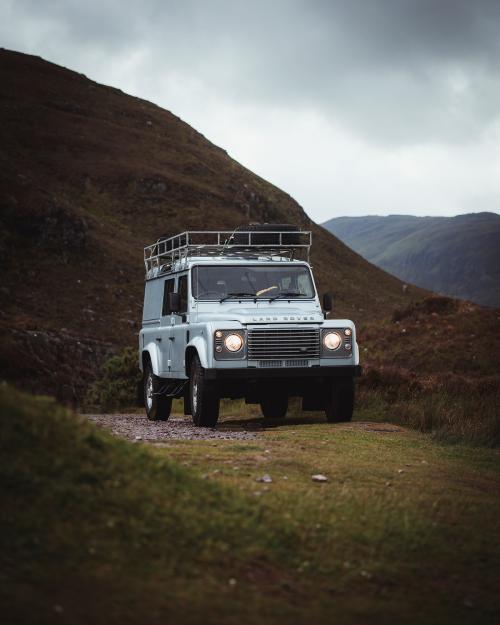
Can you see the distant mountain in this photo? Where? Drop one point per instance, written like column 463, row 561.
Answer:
column 458, row 256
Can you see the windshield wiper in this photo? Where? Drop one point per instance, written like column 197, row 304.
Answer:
column 286, row 294
column 230, row 295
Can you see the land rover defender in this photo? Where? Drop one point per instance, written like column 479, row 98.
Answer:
column 235, row 314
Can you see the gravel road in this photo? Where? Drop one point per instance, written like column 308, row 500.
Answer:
column 137, row 427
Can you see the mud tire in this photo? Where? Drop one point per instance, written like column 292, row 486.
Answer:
column 274, row 407
column 204, row 398
column 158, row 407
column 339, row 402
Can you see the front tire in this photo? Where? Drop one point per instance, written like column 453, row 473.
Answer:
column 204, row 397
column 274, row 407
column 339, row 402
column 158, row 407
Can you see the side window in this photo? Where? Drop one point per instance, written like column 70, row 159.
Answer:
column 182, row 290
column 168, row 288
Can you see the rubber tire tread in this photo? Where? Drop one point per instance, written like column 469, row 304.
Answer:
column 162, row 405
column 206, row 413
column 268, row 239
column 339, row 404
column 274, row 407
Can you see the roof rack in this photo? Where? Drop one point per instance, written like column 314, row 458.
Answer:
column 160, row 256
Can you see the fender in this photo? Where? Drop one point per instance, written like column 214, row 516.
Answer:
column 356, row 353
column 152, row 349
column 200, row 344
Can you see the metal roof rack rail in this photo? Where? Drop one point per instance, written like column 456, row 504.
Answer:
column 285, row 244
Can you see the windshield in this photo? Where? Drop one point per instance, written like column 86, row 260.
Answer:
column 251, row 281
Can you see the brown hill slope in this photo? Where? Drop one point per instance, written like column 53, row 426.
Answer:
column 88, row 176
column 435, row 366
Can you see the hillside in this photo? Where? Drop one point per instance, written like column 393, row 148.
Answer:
column 88, row 176
column 457, row 256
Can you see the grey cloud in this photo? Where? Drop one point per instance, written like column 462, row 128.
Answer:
column 393, row 71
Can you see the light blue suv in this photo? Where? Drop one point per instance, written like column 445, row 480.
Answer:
column 236, row 315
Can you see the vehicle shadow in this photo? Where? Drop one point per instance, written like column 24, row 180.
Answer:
column 261, row 423
column 230, row 424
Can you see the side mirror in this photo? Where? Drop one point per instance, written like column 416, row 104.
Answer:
column 327, row 302
column 174, row 302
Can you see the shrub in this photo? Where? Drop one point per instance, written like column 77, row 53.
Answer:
column 117, row 384
column 434, row 304
column 392, row 382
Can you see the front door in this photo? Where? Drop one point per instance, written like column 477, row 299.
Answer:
column 179, row 329
column 165, row 332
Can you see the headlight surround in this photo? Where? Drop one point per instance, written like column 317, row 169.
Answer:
column 332, row 340
column 229, row 344
column 233, row 342
column 337, row 342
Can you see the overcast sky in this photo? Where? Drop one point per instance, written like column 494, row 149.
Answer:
column 353, row 107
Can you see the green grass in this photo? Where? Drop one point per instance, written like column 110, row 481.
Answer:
column 107, row 531
column 464, row 416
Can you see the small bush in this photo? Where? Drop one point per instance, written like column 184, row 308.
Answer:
column 117, row 384
column 438, row 304
column 393, row 382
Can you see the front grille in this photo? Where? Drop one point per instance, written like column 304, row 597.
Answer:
column 266, row 364
column 296, row 363
column 274, row 364
column 283, row 343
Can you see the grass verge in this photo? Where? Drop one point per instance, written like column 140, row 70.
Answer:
column 452, row 410
column 95, row 529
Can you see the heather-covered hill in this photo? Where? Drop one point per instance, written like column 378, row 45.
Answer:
column 458, row 256
column 88, row 176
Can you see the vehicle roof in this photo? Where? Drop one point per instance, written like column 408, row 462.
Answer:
column 186, row 263
column 246, row 260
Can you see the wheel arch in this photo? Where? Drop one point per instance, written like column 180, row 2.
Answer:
column 197, row 347
column 145, row 359
column 149, row 355
column 191, row 352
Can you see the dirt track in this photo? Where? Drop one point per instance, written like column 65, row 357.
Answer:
column 137, row 427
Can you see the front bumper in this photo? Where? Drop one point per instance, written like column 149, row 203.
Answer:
column 256, row 373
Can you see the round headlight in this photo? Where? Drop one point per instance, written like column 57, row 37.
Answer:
column 233, row 342
column 332, row 340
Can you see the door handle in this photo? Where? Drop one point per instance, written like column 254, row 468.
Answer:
column 158, row 339
column 172, row 338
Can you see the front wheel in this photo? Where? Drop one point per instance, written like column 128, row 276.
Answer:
column 158, row 407
column 204, row 397
column 339, row 402
column 274, row 407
